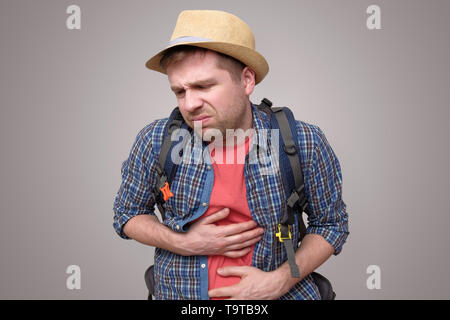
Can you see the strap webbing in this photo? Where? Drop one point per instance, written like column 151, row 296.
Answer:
column 294, row 181
column 295, row 272
column 289, row 145
column 175, row 122
column 292, row 153
column 165, row 167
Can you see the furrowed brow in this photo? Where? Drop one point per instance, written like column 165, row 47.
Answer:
column 195, row 84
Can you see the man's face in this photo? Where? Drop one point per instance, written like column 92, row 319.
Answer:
column 208, row 94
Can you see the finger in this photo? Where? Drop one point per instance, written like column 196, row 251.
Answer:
column 243, row 245
column 219, row 215
column 238, row 271
column 237, row 253
column 236, row 228
column 243, row 237
column 222, row 292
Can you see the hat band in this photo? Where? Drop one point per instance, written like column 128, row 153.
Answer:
column 188, row 39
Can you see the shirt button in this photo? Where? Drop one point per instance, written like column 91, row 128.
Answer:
column 178, row 227
column 208, row 167
column 204, row 204
column 203, row 266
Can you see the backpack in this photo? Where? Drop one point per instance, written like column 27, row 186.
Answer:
column 283, row 119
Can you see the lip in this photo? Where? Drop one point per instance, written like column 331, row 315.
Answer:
column 200, row 118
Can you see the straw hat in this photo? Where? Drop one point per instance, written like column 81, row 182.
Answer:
column 219, row 31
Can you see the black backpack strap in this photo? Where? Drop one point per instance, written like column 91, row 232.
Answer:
column 165, row 167
column 297, row 200
column 283, row 119
column 290, row 164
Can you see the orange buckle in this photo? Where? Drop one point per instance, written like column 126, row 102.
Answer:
column 166, row 191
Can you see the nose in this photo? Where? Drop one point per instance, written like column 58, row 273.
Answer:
column 192, row 100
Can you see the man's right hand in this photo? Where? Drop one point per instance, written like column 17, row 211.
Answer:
column 204, row 237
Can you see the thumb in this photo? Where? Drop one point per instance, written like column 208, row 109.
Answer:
column 219, row 215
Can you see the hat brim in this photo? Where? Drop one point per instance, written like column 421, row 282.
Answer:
column 249, row 57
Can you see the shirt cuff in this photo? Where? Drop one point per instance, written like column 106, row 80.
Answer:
column 336, row 237
column 122, row 218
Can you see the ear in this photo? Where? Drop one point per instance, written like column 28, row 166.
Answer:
column 248, row 80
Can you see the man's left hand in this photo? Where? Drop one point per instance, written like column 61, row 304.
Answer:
column 254, row 285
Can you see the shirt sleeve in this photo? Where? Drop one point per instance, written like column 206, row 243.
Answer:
column 327, row 214
column 138, row 180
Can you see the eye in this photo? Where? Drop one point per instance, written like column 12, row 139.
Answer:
column 179, row 93
column 205, row 86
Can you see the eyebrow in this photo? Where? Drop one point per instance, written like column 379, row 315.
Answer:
column 195, row 83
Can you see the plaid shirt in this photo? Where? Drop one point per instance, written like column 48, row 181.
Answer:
column 181, row 277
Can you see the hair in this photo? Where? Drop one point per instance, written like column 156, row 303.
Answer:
column 178, row 53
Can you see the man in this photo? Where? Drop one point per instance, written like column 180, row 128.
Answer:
column 218, row 236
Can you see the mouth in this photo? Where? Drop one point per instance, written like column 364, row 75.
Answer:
column 200, row 118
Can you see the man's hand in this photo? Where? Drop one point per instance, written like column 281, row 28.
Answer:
column 206, row 238
column 202, row 238
column 254, row 285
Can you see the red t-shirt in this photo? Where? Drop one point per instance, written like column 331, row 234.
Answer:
column 229, row 191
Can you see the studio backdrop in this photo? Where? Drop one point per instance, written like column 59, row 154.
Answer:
column 74, row 93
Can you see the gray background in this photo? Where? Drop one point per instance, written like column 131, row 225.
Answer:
column 72, row 102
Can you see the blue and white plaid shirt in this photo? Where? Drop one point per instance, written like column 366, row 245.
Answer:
column 181, row 277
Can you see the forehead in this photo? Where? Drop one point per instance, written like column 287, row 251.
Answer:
column 195, row 67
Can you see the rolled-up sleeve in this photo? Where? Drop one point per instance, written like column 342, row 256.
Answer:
column 327, row 214
column 138, row 180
